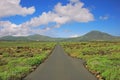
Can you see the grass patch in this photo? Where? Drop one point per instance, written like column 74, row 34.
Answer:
column 102, row 58
column 17, row 59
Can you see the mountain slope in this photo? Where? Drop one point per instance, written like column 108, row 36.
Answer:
column 13, row 38
column 95, row 36
column 27, row 38
column 37, row 37
column 90, row 36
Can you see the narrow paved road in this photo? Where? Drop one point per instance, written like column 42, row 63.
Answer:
column 59, row 66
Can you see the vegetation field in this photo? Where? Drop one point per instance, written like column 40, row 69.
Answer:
column 102, row 58
column 17, row 59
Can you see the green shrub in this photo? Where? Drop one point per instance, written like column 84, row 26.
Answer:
column 102, row 57
column 18, row 59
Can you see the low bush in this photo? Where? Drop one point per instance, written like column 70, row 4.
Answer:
column 100, row 57
column 18, row 59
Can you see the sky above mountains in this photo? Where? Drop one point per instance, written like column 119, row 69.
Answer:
column 59, row 18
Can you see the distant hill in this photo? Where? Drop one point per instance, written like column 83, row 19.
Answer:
column 13, row 38
column 27, row 38
column 37, row 37
column 91, row 36
column 95, row 36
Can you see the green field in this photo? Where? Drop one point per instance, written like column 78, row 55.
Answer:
column 102, row 58
column 17, row 59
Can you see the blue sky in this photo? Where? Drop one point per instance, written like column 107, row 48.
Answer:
column 59, row 18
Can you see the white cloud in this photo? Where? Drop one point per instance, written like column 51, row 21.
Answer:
column 61, row 14
column 13, row 7
column 73, row 12
column 106, row 17
column 43, row 19
column 8, row 28
column 73, row 36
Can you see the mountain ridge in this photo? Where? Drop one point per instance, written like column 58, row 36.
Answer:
column 95, row 36
column 90, row 36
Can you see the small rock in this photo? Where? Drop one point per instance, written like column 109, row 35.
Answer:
column 98, row 76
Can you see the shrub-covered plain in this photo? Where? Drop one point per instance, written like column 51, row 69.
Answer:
column 102, row 58
column 17, row 59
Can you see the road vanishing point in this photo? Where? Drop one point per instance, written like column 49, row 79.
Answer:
column 60, row 66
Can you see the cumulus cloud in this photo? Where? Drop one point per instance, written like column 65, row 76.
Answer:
column 61, row 14
column 106, row 17
column 13, row 7
column 74, row 12
column 8, row 28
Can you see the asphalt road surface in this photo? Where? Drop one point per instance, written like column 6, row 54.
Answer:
column 59, row 66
